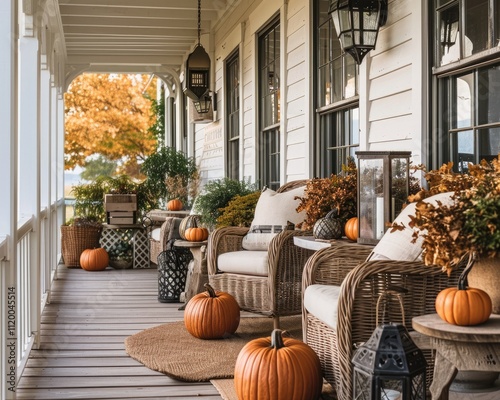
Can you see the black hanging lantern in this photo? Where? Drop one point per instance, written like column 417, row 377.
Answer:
column 202, row 105
column 389, row 366
column 197, row 79
column 357, row 23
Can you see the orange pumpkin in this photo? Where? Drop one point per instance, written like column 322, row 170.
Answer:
column 351, row 229
column 94, row 259
column 277, row 368
column 174, row 205
column 212, row 314
column 463, row 306
column 196, row 234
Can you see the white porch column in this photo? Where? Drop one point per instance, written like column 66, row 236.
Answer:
column 8, row 199
column 29, row 177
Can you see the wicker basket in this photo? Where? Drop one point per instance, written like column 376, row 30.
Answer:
column 75, row 239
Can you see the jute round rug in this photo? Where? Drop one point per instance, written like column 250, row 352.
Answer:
column 170, row 348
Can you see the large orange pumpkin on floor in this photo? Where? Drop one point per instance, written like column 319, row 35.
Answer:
column 196, row 234
column 94, row 259
column 463, row 306
column 174, row 205
column 212, row 314
column 351, row 229
column 277, row 368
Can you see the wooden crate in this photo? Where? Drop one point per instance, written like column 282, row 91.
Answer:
column 120, row 202
column 121, row 217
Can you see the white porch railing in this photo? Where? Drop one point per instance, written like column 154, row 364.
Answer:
column 24, row 291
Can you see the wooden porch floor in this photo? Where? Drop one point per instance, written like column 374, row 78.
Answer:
column 82, row 353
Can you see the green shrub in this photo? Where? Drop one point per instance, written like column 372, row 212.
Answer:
column 216, row 195
column 240, row 211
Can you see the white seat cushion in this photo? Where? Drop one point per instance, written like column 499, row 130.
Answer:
column 245, row 262
column 321, row 301
column 155, row 234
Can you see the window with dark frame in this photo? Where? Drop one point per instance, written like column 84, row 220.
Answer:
column 336, row 98
column 269, row 110
column 233, row 116
column 467, row 82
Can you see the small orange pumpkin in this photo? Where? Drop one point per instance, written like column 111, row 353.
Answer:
column 212, row 314
column 351, row 229
column 277, row 368
column 174, row 205
column 196, row 234
column 463, row 305
column 94, row 259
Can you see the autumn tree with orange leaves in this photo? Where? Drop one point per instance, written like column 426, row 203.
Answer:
column 109, row 115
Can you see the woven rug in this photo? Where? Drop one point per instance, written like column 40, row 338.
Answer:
column 170, row 348
column 226, row 389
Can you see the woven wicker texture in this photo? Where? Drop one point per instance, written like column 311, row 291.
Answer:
column 361, row 285
column 75, row 239
column 169, row 230
column 279, row 293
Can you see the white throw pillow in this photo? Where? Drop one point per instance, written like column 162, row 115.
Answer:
column 274, row 212
column 397, row 244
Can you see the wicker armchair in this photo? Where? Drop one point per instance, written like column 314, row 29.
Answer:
column 159, row 238
column 361, row 283
column 278, row 293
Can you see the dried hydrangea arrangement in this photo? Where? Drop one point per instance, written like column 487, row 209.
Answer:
column 471, row 224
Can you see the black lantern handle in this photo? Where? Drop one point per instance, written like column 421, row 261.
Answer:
column 396, row 291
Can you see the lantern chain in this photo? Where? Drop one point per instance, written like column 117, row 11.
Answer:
column 199, row 21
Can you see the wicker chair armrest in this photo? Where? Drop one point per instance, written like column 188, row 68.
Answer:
column 223, row 240
column 361, row 289
column 329, row 266
column 286, row 265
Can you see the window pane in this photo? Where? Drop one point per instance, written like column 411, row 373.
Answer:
column 325, row 86
column 489, row 143
column 476, row 26
column 463, row 100
column 323, row 46
column 351, row 88
column 337, row 80
column 449, row 50
column 464, row 153
column 488, row 103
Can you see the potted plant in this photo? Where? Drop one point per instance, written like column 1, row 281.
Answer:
column 467, row 226
column 323, row 195
column 170, row 174
column 216, row 195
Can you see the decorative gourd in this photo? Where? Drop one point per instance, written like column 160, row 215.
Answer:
column 191, row 221
column 94, row 259
column 277, row 368
column 174, row 205
column 196, row 234
column 212, row 314
column 463, row 305
column 328, row 227
column 351, row 229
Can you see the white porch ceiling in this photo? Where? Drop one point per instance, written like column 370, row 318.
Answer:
column 133, row 35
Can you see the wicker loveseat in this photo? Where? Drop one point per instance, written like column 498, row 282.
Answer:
column 341, row 286
column 262, row 281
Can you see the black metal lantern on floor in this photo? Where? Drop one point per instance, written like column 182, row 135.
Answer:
column 357, row 23
column 389, row 366
column 197, row 77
